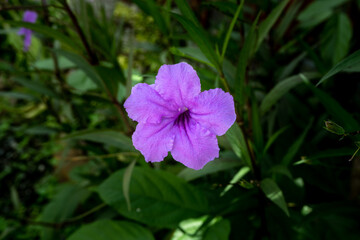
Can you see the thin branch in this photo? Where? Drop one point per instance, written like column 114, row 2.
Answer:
column 22, row 7
column 93, row 58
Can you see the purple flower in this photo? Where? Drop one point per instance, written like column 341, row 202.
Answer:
column 29, row 16
column 174, row 115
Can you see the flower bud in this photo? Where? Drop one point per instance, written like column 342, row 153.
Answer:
column 334, row 128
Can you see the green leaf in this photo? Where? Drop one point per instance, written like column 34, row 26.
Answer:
column 150, row 7
column 111, row 230
column 82, row 64
column 350, row 61
column 287, row 19
column 214, row 166
column 47, row 31
column 337, row 44
column 267, row 24
column 245, row 55
column 36, row 86
column 61, row 208
column 337, row 112
column 218, row 231
column 274, row 137
column 257, row 128
column 111, row 78
column 157, row 198
column 281, row 89
column 238, row 143
column 294, row 148
column 191, row 53
column 230, row 29
column 311, row 16
column 186, row 11
column 108, row 137
column 274, row 193
column 78, row 80
column 126, row 183
column 200, row 37
column 48, row 64
column 239, row 175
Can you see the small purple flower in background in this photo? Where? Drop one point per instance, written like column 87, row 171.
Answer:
column 174, row 115
column 29, row 16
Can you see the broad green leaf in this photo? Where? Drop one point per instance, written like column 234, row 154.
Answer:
column 281, row 89
column 274, row 193
column 218, row 231
column 214, row 166
column 36, row 86
column 230, row 29
column 61, row 208
column 339, row 32
column 150, row 7
column 294, row 148
column 82, row 64
column 112, row 230
column 47, row 31
column 238, row 143
column 348, row 62
column 267, row 24
column 336, row 111
column 200, row 37
column 108, row 137
column 157, row 198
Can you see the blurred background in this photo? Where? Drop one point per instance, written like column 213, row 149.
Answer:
column 68, row 169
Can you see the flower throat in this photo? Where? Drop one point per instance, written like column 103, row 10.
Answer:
column 183, row 118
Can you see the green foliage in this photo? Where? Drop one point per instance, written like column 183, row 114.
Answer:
column 68, row 167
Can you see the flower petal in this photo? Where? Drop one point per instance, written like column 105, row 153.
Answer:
column 194, row 146
column 214, row 109
column 147, row 106
column 178, row 83
column 30, row 16
column 154, row 141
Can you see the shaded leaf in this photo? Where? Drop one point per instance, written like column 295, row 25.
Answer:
column 47, row 31
column 154, row 193
column 294, row 148
column 281, row 89
column 267, row 24
column 348, row 62
column 214, row 166
column 238, row 143
column 274, row 193
column 111, row 230
column 108, row 137
column 218, row 231
column 199, row 36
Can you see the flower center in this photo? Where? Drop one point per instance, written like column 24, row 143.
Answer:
column 182, row 118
